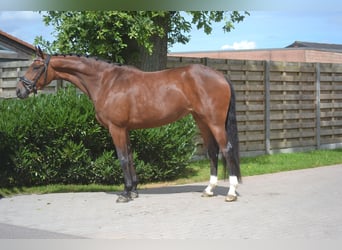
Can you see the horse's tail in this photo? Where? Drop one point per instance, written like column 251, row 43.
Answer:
column 233, row 139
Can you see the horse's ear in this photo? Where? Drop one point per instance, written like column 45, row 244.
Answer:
column 39, row 52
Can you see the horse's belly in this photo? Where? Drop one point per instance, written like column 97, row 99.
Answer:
column 149, row 118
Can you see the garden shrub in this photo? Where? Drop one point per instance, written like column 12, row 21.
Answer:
column 55, row 139
column 7, row 152
column 169, row 147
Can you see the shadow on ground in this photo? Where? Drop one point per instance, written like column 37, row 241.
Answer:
column 219, row 190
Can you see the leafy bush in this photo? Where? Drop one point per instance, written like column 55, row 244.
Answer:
column 6, row 158
column 52, row 139
column 169, row 147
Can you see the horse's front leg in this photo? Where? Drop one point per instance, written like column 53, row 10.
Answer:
column 135, row 181
column 126, row 195
column 121, row 140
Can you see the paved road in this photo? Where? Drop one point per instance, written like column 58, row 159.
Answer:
column 304, row 204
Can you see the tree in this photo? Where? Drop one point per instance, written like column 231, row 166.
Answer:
column 139, row 38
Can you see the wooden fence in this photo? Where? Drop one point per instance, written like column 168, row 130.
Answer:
column 281, row 106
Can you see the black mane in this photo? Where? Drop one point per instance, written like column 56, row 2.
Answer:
column 90, row 57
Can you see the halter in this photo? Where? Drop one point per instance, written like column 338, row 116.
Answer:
column 31, row 85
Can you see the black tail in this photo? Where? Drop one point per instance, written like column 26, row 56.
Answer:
column 233, row 138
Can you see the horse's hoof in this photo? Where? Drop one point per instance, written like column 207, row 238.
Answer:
column 205, row 194
column 123, row 199
column 230, row 198
column 134, row 194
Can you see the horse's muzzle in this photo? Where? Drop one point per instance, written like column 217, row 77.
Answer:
column 21, row 91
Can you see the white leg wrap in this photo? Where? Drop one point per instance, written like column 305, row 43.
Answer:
column 233, row 183
column 212, row 184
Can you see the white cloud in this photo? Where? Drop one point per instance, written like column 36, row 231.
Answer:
column 240, row 45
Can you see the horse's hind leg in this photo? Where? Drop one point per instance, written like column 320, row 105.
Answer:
column 213, row 151
column 228, row 160
column 233, row 179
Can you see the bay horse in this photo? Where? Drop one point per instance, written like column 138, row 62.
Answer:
column 126, row 98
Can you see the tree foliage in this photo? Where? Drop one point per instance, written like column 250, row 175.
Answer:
column 116, row 35
column 101, row 33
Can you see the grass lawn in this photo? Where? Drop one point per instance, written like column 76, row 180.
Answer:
column 265, row 164
column 199, row 171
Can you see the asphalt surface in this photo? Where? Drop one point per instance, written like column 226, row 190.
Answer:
column 304, row 204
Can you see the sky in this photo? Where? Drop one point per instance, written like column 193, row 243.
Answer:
column 260, row 30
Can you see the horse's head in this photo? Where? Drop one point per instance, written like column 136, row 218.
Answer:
column 35, row 77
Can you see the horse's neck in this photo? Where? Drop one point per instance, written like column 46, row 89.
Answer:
column 82, row 72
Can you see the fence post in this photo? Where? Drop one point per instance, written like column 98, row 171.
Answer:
column 204, row 61
column 267, row 108
column 59, row 85
column 318, row 105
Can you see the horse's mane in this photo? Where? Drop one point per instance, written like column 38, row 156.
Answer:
column 96, row 58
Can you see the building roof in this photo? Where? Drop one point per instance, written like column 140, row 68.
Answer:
column 13, row 48
column 296, row 52
column 320, row 46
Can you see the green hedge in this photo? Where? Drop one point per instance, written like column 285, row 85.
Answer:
column 55, row 139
